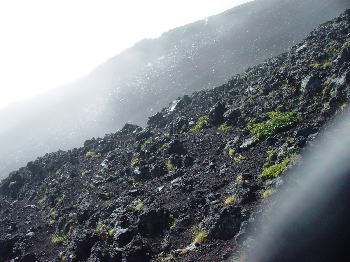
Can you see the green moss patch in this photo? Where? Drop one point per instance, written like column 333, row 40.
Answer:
column 277, row 121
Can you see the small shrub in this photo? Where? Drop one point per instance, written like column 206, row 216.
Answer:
column 104, row 230
column 134, row 161
column 239, row 158
column 224, row 127
column 93, row 154
column 268, row 160
column 230, row 200
column 200, row 123
column 163, row 257
column 59, row 238
column 145, row 143
column 239, row 179
column 139, row 206
column 199, row 236
column 169, row 165
column 346, row 44
column 325, row 63
column 276, row 169
column 165, row 145
column 230, row 152
column 277, row 121
column 266, row 193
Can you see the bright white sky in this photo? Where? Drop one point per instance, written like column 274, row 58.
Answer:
column 47, row 43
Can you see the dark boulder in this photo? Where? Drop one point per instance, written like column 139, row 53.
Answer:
column 28, row 258
column 130, row 128
column 215, row 116
column 310, row 86
column 232, row 115
column 154, row 222
column 226, row 224
column 176, row 147
column 344, row 56
column 101, row 254
column 157, row 120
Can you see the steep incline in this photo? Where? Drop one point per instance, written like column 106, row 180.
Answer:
column 185, row 187
column 141, row 80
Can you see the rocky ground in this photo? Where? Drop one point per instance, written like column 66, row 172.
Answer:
column 186, row 187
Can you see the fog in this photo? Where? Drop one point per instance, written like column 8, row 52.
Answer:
column 45, row 44
column 308, row 220
column 142, row 79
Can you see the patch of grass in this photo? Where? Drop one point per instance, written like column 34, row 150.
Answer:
column 276, row 169
column 239, row 158
column 239, row 179
column 326, row 105
column 139, row 206
column 104, row 230
column 169, row 165
column 230, row 152
column 325, row 63
column 165, row 145
column 326, row 90
column 200, row 236
column 346, row 44
column 200, row 123
column 268, row 159
column 93, row 154
column 266, row 193
column 146, row 142
column 163, row 257
column 224, row 127
column 343, row 107
column 59, row 238
column 230, row 200
column 134, row 161
column 277, row 121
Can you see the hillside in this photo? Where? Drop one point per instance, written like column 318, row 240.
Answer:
column 186, row 186
column 141, row 80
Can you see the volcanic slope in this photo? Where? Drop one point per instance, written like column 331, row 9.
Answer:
column 185, row 187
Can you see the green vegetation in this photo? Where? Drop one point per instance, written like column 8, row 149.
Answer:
column 134, row 161
column 346, row 44
column 59, row 238
column 325, row 63
column 169, row 165
column 276, row 169
column 139, row 206
column 268, row 160
column 200, row 123
column 239, row 158
column 224, row 127
column 229, row 152
column 239, row 179
column 163, row 257
column 266, row 193
column 165, row 145
column 230, row 200
column 146, row 142
column 93, row 154
column 199, row 236
column 104, row 230
column 277, row 121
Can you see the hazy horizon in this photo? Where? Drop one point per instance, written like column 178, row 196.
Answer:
column 47, row 45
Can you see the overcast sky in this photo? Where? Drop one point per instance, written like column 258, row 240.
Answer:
column 47, row 43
